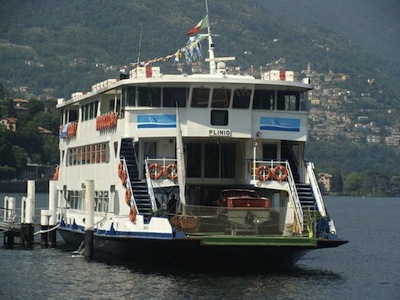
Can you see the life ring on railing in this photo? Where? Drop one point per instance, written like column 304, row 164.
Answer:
column 171, row 171
column 128, row 195
column 263, row 173
column 120, row 169
column 280, row 173
column 132, row 214
column 123, row 177
column 156, row 171
column 56, row 173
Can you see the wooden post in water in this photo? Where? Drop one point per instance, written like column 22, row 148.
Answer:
column 89, row 219
column 53, row 213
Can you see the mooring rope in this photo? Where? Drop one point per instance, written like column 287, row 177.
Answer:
column 47, row 230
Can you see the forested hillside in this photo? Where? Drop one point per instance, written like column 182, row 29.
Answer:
column 50, row 49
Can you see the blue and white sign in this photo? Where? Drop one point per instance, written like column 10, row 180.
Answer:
column 280, row 124
column 156, row 121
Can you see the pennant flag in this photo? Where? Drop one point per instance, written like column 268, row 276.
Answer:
column 203, row 24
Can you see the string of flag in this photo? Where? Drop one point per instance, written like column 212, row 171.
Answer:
column 192, row 51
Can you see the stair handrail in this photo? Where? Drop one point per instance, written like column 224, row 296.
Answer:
column 150, row 189
column 315, row 188
column 295, row 197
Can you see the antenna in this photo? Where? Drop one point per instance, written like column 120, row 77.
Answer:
column 140, row 45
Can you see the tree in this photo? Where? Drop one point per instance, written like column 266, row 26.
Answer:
column 20, row 157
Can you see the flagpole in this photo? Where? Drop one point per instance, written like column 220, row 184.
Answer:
column 213, row 68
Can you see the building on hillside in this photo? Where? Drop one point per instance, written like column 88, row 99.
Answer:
column 38, row 172
column 325, row 181
column 9, row 123
column 20, row 103
column 44, row 130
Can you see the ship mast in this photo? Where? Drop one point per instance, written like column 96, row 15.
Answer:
column 210, row 44
column 211, row 57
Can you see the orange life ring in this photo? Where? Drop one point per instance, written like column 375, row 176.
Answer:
column 156, row 171
column 123, row 177
column 171, row 171
column 115, row 119
column 263, row 173
column 132, row 214
column 280, row 173
column 128, row 195
column 120, row 169
column 56, row 173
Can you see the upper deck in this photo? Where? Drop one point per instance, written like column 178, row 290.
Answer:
column 219, row 104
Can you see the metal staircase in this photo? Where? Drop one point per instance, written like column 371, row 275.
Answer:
column 306, row 196
column 139, row 187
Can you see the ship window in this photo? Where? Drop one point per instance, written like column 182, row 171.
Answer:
column 129, row 95
column 149, row 96
column 263, row 99
column 174, row 96
column 72, row 115
column 288, row 101
column 241, row 98
column 211, row 161
column 219, row 117
column 200, row 97
column 75, row 199
column 303, row 101
column 90, row 154
column 101, row 201
column 228, row 157
column 89, row 110
column 219, row 160
column 270, row 151
column 221, row 98
column 193, row 169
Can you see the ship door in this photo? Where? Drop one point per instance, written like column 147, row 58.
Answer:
column 211, row 160
column 270, row 152
column 149, row 151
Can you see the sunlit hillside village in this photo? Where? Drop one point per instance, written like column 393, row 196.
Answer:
column 327, row 117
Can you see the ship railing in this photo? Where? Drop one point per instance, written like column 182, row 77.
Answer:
column 7, row 218
column 128, row 185
column 278, row 170
column 315, row 188
column 162, row 168
column 150, row 188
column 318, row 195
column 237, row 220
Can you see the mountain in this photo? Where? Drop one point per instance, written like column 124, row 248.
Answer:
column 53, row 48
column 372, row 25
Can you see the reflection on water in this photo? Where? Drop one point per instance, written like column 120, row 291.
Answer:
column 365, row 268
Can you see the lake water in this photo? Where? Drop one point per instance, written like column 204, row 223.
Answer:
column 368, row 267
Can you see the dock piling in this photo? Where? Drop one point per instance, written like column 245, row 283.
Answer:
column 89, row 219
column 53, row 213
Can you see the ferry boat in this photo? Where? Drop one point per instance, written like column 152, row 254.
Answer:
column 192, row 170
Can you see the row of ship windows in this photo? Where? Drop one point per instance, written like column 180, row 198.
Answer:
column 76, row 200
column 215, row 98
column 200, row 98
column 90, row 154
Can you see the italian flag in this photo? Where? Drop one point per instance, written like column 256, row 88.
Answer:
column 203, row 24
